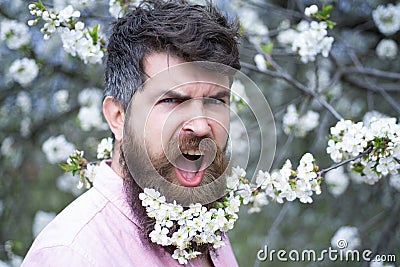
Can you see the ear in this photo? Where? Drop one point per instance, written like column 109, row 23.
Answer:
column 115, row 116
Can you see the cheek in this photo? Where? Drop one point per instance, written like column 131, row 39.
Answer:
column 159, row 130
column 220, row 132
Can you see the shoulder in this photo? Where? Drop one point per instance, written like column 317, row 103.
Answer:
column 61, row 240
column 58, row 255
column 70, row 222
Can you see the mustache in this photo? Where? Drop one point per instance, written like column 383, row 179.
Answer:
column 190, row 142
column 216, row 164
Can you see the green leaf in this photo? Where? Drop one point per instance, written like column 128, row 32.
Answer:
column 93, row 33
column 267, row 48
column 326, row 9
column 330, row 24
column 39, row 5
column 67, row 167
column 219, row 205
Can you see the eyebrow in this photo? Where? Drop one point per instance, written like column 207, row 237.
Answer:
column 174, row 94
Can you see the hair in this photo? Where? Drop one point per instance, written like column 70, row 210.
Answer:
column 189, row 31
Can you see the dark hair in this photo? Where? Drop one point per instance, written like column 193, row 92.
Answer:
column 189, row 31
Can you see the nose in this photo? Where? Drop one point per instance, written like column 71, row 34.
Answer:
column 198, row 123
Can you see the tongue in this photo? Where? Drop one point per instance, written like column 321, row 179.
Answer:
column 187, row 175
column 187, row 172
column 186, row 166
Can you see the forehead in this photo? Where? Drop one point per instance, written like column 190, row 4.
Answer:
column 165, row 72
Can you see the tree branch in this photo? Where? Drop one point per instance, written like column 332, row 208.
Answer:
column 372, row 72
column 321, row 172
column 297, row 85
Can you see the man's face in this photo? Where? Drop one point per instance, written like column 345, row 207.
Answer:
column 180, row 122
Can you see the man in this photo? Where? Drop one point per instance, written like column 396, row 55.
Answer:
column 166, row 103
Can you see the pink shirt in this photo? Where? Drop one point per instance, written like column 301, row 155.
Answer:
column 99, row 229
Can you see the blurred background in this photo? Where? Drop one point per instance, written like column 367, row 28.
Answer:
column 50, row 104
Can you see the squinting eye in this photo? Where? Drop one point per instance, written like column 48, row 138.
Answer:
column 214, row 101
column 169, row 100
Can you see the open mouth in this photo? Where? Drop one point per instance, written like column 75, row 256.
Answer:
column 189, row 167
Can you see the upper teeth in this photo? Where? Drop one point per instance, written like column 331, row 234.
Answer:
column 193, row 152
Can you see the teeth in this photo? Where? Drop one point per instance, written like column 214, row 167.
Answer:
column 192, row 152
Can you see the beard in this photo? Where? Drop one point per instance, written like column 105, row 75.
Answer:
column 141, row 172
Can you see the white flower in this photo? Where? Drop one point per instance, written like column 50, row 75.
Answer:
column 346, row 238
column 90, row 171
column 304, row 196
column 263, row 179
column 348, row 139
column 24, row 71
column 238, row 94
column 90, row 117
column 90, row 97
column 115, row 8
column 337, row 181
column 24, row 102
column 61, row 99
column 89, row 52
column 14, row 34
column 105, row 148
column 326, row 45
column 78, row 41
column 387, row 49
column 286, row 170
column 311, row 10
column 69, row 39
column 260, row 62
column 57, row 149
column 252, row 23
column 306, row 167
column 334, row 150
column 386, row 165
column 233, row 208
column 244, row 191
column 387, row 18
column 40, row 221
column 371, row 116
column 370, row 175
column 287, row 37
column 307, row 123
column 311, row 40
column 160, row 235
column 258, row 202
column 68, row 13
column 180, row 255
column 301, row 124
column 290, row 119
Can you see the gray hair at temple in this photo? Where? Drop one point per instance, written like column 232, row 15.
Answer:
column 189, row 31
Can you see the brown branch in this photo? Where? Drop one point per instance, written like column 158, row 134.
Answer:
column 321, row 172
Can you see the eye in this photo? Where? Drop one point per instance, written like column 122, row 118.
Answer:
column 214, row 101
column 170, row 100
